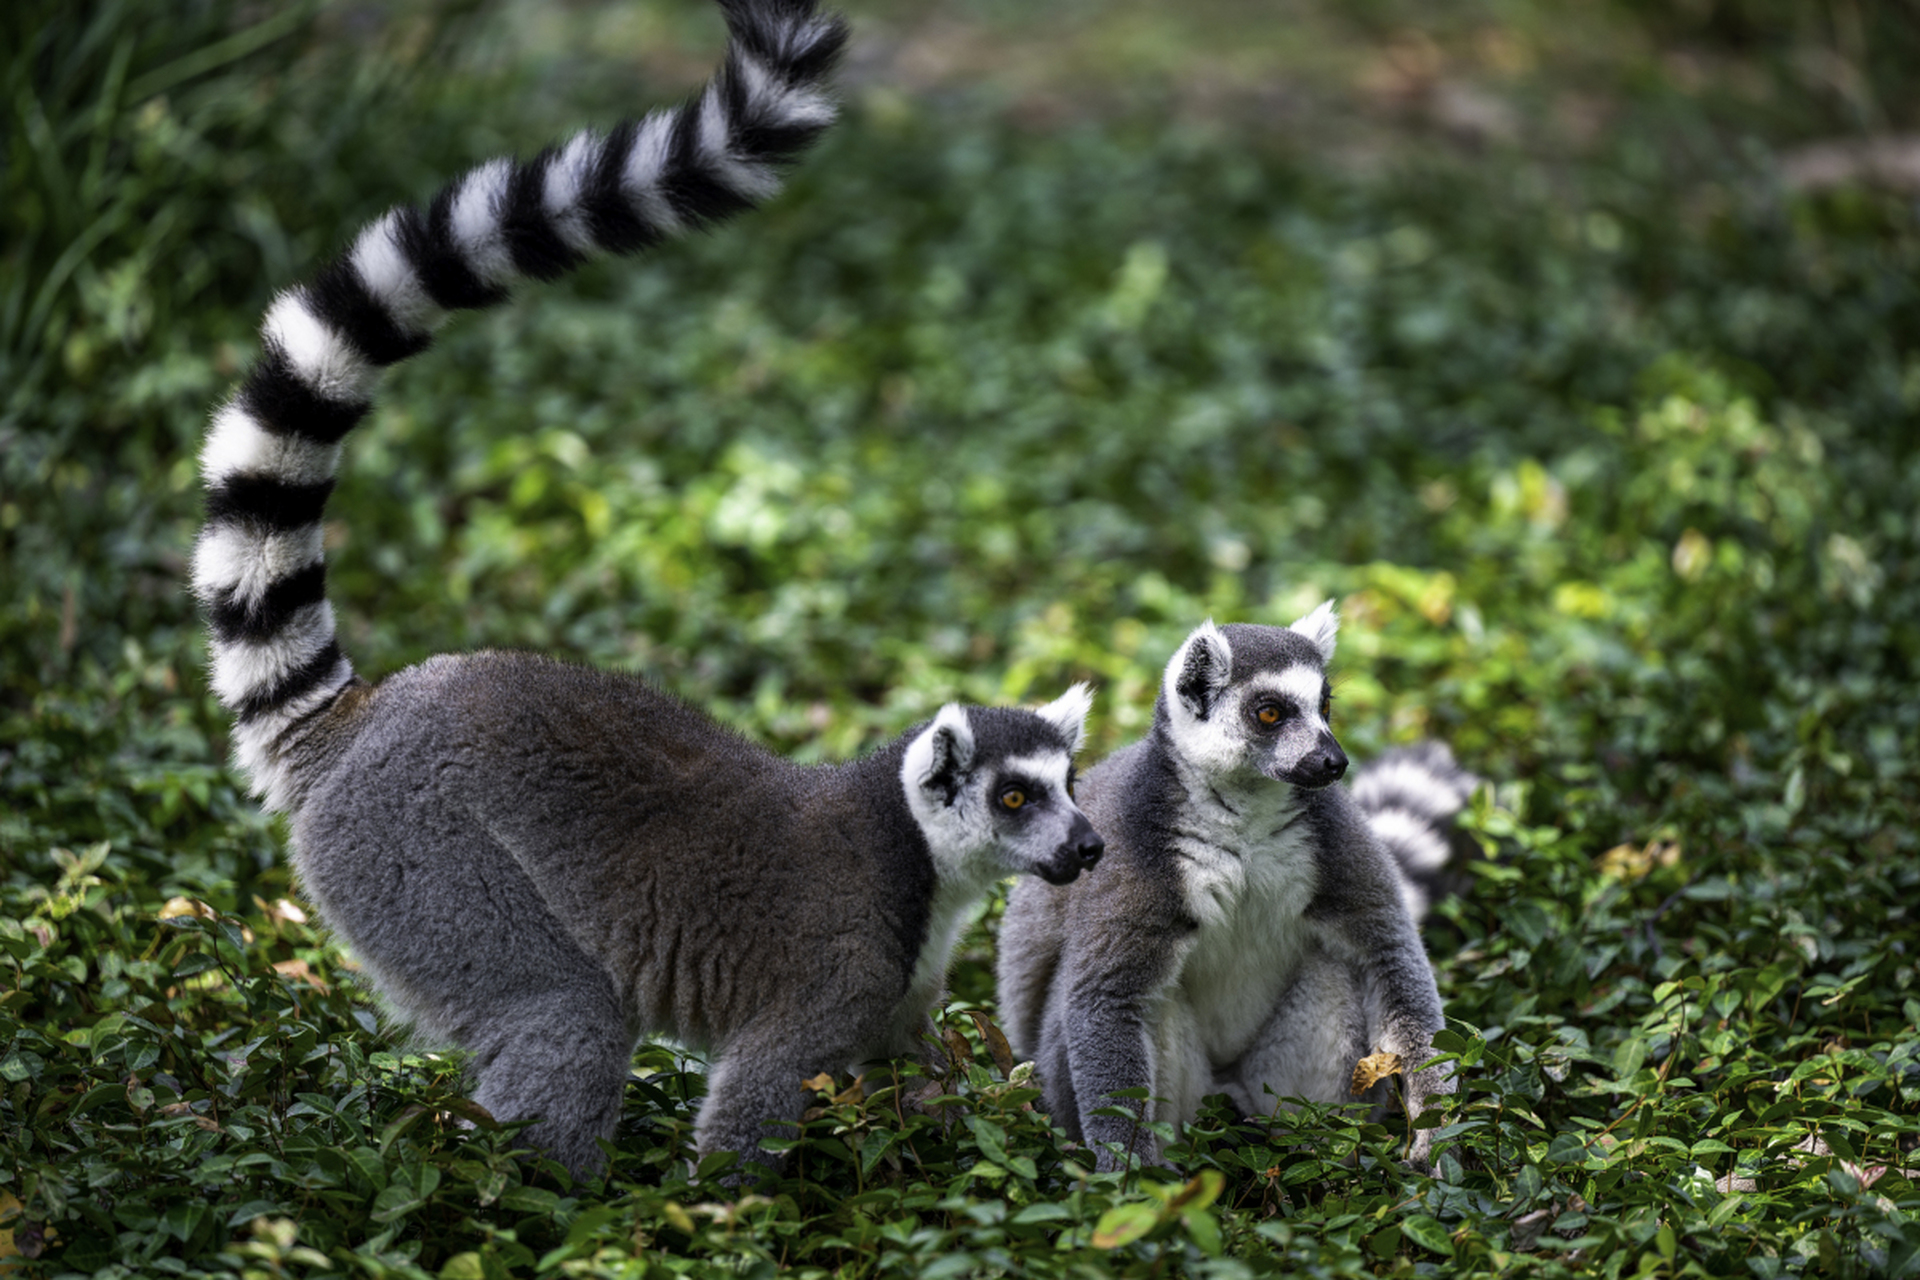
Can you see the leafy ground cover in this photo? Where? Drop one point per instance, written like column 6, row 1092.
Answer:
column 1609, row 451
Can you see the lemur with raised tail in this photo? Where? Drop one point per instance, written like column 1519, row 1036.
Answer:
column 540, row 862
column 1252, row 930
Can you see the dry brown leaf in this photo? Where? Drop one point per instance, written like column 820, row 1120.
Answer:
column 301, row 971
column 186, row 907
column 467, row 1112
column 853, row 1093
column 1527, row 1230
column 1372, row 1069
column 27, row 1240
column 996, row 1042
column 281, row 909
column 1632, row 862
column 920, row 1100
column 957, row 1047
column 822, row 1083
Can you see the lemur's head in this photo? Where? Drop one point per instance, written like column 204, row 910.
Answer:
column 1245, row 699
column 992, row 790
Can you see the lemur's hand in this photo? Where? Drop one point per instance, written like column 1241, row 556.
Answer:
column 1421, row 1088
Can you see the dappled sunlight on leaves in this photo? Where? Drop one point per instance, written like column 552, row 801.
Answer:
column 1609, row 460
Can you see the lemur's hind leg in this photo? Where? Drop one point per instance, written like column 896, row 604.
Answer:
column 563, row 1055
column 467, row 952
column 1310, row 1043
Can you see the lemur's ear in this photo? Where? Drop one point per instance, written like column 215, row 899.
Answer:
column 1068, row 714
column 1199, row 670
column 942, row 756
column 1320, row 627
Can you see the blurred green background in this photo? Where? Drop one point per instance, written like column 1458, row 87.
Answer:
column 1574, row 347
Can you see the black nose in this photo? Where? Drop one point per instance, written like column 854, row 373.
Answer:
column 1323, row 766
column 1084, row 844
column 1332, row 761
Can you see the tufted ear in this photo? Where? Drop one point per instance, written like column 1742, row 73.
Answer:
column 1320, row 627
column 1068, row 714
column 1199, row 670
column 941, row 757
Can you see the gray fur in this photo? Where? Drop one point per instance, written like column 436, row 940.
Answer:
column 540, row 862
column 1246, row 934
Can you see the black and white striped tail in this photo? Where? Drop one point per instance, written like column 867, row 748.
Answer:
column 272, row 452
column 1409, row 797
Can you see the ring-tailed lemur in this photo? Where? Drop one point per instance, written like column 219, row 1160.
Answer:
column 538, row 861
column 1248, row 930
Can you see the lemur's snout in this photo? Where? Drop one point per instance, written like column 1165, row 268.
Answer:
column 1085, row 844
column 1327, row 764
column 1078, row 852
column 1322, row 766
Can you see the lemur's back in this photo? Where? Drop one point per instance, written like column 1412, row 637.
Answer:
column 565, row 791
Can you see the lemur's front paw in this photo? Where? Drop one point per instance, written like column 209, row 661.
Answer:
column 1424, row 1089
column 1420, row 1153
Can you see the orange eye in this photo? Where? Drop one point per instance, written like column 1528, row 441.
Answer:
column 1268, row 714
column 1013, row 797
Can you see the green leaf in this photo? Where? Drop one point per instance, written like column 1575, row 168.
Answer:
column 1123, row 1224
column 395, row 1202
column 1566, row 1148
column 250, row 1210
column 1043, row 1211
column 198, row 962
column 991, row 1137
column 1204, row 1230
column 528, row 1200
column 464, row 1266
column 370, row 1165
column 399, row 1125
column 1427, row 1233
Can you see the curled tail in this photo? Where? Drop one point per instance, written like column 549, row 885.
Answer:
column 1409, row 797
column 273, row 449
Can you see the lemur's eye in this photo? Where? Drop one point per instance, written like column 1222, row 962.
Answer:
column 1269, row 714
column 1012, row 798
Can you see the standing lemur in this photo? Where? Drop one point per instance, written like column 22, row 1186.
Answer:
column 540, row 862
column 1252, row 929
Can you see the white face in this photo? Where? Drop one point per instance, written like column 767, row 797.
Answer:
column 989, row 817
column 1272, row 722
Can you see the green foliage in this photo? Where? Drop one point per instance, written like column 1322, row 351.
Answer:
column 1611, row 461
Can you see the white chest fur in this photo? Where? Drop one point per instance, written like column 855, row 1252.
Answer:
column 955, row 905
column 1249, row 873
